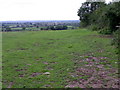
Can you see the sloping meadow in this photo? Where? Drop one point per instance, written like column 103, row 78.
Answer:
column 58, row 59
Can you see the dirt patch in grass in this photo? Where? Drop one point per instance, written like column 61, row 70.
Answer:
column 10, row 85
column 51, row 39
column 16, row 66
column 53, row 62
column 21, row 75
column 93, row 74
column 47, row 86
column 35, row 74
column 36, row 44
column 28, row 64
column 50, row 43
column 102, row 36
column 22, row 49
column 49, row 68
column 21, row 69
column 45, row 63
column 40, row 58
column 49, row 63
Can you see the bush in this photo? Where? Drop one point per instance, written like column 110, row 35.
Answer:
column 116, row 39
column 94, row 27
column 105, row 31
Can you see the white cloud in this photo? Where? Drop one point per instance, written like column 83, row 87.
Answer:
column 39, row 9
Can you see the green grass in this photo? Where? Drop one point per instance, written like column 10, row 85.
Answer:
column 48, row 51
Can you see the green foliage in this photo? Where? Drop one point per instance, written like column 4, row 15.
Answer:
column 86, row 11
column 58, row 27
column 93, row 27
column 105, row 31
column 23, row 28
column 8, row 29
column 100, row 16
column 116, row 39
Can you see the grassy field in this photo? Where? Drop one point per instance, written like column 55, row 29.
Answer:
column 58, row 59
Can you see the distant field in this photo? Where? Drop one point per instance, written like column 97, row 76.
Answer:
column 30, row 28
column 58, row 59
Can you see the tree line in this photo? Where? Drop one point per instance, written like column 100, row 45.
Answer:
column 100, row 16
column 58, row 27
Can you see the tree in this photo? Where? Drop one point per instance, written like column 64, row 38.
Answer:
column 8, row 29
column 65, row 27
column 100, row 16
column 24, row 28
column 86, row 11
column 52, row 28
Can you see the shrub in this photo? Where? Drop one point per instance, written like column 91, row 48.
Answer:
column 94, row 27
column 116, row 39
column 105, row 31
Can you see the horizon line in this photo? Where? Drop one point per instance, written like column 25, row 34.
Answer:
column 38, row 20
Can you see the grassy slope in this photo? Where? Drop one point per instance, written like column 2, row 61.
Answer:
column 28, row 55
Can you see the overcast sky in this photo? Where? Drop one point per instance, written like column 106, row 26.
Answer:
column 39, row 9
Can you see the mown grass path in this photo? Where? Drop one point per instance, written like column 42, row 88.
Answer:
column 58, row 59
